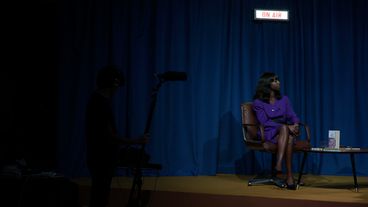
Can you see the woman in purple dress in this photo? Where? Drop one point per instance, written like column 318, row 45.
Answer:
column 280, row 122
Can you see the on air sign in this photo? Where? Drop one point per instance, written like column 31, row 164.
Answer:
column 260, row 14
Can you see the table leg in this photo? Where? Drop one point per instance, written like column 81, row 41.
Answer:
column 354, row 172
column 301, row 169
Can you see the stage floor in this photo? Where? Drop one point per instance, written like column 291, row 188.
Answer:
column 336, row 190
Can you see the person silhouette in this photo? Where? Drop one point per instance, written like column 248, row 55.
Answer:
column 102, row 139
column 281, row 124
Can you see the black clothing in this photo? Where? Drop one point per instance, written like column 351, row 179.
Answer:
column 102, row 148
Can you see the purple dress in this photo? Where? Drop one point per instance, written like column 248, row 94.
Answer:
column 272, row 116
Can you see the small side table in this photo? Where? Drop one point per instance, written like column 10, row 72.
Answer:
column 350, row 151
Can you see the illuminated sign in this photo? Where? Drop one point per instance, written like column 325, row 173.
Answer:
column 260, row 14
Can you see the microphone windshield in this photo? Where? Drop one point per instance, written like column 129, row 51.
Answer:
column 173, row 76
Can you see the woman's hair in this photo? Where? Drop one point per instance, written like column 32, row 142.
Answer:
column 263, row 89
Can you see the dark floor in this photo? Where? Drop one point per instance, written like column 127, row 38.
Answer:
column 40, row 191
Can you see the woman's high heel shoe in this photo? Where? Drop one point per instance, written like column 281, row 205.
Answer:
column 290, row 186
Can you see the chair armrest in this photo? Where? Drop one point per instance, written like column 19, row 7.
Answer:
column 307, row 131
column 259, row 127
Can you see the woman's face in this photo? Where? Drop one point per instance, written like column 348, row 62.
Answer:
column 275, row 83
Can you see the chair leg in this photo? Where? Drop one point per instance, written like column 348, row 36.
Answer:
column 260, row 180
column 268, row 179
column 273, row 163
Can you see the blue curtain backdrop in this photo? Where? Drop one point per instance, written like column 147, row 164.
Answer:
column 320, row 54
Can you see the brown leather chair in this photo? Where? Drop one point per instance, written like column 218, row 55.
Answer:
column 250, row 127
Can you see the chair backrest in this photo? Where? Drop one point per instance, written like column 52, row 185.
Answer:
column 249, row 122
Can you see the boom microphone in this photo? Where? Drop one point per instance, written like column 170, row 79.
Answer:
column 173, row 76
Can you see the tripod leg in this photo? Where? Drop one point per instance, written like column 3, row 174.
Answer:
column 135, row 191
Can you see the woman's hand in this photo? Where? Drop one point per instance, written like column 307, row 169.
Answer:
column 294, row 129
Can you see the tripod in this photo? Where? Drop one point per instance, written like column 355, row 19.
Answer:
column 135, row 196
